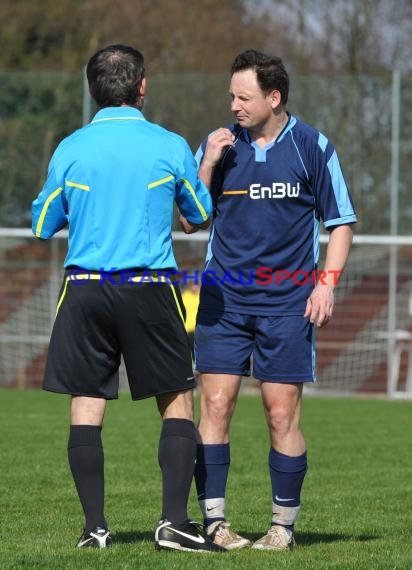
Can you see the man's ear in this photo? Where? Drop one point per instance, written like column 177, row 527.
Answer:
column 141, row 94
column 142, row 90
column 275, row 98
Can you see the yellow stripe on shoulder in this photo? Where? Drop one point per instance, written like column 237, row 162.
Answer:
column 77, row 185
column 43, row 213
column 160, row 182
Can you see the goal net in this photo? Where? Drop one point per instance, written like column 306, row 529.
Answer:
column 352, row 350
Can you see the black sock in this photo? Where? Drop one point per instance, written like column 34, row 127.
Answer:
column 86, row 462
column 177, row 455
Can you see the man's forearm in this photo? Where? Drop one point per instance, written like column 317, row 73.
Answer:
column 206, row 172
column 337, row 252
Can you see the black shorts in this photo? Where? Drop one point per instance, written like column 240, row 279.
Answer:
column 98, row 321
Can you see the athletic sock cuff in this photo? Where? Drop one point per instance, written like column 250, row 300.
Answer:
column 287, row 464
column 176, row 427
column 213, row 454
column 85, row 435
column 286, row 516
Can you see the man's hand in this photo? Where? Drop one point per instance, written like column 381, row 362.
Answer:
column 216, row 145
column 190, row 228
column 186, row 226
column 319, row 307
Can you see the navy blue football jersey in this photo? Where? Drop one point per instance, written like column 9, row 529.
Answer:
column 268, row 203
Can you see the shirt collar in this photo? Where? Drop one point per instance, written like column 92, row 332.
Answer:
column 288, row 127
column 291, row 122
column 116, row 113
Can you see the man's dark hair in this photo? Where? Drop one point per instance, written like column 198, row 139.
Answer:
column 115, row 74
column 270, row 71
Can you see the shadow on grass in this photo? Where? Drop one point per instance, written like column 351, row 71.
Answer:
column 308, row 538
column 302, row 538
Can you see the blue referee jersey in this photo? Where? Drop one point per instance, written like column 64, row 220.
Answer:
column 114, row 182
column 268, row 203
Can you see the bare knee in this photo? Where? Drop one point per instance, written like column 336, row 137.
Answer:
column 217, row 406
column 280, row 421
column 282, row 403
column 216, row 412
column 176, row 405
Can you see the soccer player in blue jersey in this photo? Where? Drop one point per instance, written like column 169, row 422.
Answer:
column 273, row 179
column 114, row 182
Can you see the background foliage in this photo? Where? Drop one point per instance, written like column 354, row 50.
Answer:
column 340, row 54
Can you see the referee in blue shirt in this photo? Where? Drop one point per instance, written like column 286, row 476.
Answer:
column 114, row 183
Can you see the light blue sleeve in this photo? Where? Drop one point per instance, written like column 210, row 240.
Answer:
column 49, row 209
column 333, row 198
column 192, row 196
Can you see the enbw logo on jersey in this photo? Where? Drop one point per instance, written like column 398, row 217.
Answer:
column 277, row 190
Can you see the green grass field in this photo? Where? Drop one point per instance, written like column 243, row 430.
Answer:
column 356, row 502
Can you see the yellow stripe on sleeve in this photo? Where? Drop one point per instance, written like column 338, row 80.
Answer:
column 77, row 185
column 236, row 192
column 160, row 182
column 44, row 210
column 195, row 198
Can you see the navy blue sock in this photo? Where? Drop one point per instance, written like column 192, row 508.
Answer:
column 287, row 475
column 211, row 473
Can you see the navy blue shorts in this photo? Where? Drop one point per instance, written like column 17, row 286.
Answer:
column 282, row 349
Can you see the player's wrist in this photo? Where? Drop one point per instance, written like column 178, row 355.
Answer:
column 330, row 278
